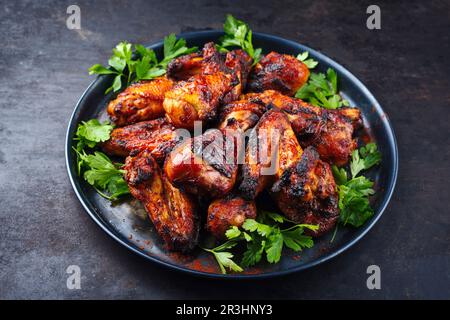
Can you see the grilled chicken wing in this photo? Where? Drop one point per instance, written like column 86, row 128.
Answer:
column 241, row 115
column 172, row 212
column 306, row 193
column 280, row 72
column 329, row 131
column 204, row 165
column 209, row 80
column 157, row 136
column 272, row 147
column 231, row 210
column 140, row 101
column 196, row 99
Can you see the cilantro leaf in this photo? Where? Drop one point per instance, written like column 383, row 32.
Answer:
column 238, row 34
column 233, row 232
column 253, row 225
column 364, row 158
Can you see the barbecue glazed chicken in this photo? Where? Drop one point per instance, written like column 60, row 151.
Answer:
column 259, row 138
column 329, row 131
column 306, row 193
column 140, row 101
column 280, row 72
column 272, row 147
column 207, row 82
column 232, row 210
column 204, row 165
column 172, row 211
column 157, row 136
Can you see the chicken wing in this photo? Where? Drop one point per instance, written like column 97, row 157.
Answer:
column 204, row 165
column 241, row 115
column 280, row 72
column 209, row 79
column 140, row 101
column 157, row 136
column 231, row 210
column 306, row 193
column 196, row 99
column 329, row 131
column 272, row 147
column 172, row 212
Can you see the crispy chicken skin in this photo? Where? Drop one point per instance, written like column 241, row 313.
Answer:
column 208, row 81
column 140, row 101
column 231, row 210
column 280, row 72
column 329, row 131
column 196, row 99
column 241, row 115
column 204, row 165
column 272, row 147
column 158, row 136
column 306, row 193
column 184, row 67
column 172, row 211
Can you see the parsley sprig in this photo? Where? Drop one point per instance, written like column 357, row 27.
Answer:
column 264, row 237
column 143, row 65
column 238, row 34
column 97, row 169
column 354, row 192
column 322, row 90
column 309, row 62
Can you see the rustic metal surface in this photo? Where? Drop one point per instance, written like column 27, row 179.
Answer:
column 43, row 228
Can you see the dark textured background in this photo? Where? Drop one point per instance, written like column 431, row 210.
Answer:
column 43, row 68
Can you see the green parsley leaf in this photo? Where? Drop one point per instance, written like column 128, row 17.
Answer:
column 253, row 254
column 310, row 63
column 143, row 65
column 224, row 259
column 253, row 225
column 354, row 193
column 274, row 246
column 238, row 34
column 321, row 90
column 104, row 175
column 233, row 232
column 296, row 240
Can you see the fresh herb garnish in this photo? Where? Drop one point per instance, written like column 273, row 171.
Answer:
column 354, row 193
column 238, row 34
column 321, row 90
column 143, row 65
column 99, row 171
column 310, row 63
column 264, row 238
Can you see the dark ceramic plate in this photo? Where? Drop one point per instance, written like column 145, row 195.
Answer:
column 127, row 223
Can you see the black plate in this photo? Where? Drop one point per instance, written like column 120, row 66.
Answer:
column 127, row 222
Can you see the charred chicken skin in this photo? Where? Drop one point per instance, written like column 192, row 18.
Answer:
column 241, row 115
column 139, row 102
column 272, row 147
column 231, row 210
column 280, row 72
column 306, row 193
column 196, row 99
column 157, row 136
column 329, row 131
column 203, row 165
column 172, row 211
column 208, row 81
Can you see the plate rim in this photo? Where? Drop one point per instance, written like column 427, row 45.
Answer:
column 263, row 36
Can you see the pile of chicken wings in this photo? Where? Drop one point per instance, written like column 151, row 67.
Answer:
column 174, row 176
